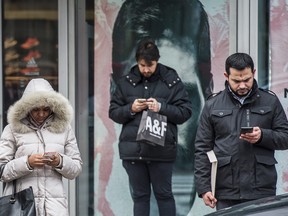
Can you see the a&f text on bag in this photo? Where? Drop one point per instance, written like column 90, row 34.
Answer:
column 155, row 127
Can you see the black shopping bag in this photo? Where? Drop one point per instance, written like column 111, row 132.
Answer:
column 20, row 203
column 152, row 128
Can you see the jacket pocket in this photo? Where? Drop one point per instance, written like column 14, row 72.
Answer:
column 222, row 120
column 261, row 110
column 261, row 116
column 265, row 171
column 224, row 173
column 221, row 113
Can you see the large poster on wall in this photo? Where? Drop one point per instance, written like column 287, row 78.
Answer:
column 192, row 37
column 278, row 81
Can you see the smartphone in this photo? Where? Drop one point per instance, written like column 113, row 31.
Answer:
column 47, row 156
column 141, row 100
column 246, row 130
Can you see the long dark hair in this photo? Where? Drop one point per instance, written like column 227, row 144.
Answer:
column 184, row 22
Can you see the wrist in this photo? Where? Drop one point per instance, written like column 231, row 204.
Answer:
column 159, row 106
column 60, row 164
column 28, row 164
column 132, row 113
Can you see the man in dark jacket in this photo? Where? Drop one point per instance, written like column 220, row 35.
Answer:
column 164, row 93
column 246, row 164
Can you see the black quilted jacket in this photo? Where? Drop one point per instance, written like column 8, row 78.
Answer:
column 167, row 88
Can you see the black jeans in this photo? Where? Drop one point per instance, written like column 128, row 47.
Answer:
column 143, row 174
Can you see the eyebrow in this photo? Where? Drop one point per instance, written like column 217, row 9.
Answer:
column 40, row 108
column 243, row 80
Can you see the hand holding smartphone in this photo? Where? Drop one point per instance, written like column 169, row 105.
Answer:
column 141, row 100
column 49, row 156
column 246, row 130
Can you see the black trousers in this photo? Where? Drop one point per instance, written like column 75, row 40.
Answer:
column 144, row 174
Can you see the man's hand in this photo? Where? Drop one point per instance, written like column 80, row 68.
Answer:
column 139, row 105
column 253, row 137
column 209, row 199
column 153, row 105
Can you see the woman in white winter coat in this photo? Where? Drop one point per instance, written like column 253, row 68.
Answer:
column 38, row 123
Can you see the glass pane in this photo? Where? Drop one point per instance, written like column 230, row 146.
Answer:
column 192, row 37
column 278, row 76
column 30, row 46
column 85, row 106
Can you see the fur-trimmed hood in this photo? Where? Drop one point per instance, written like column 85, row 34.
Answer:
column 39, row 93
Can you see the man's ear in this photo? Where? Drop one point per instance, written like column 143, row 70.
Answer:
column 226, row 75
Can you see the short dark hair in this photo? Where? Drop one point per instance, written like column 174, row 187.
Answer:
column 147, row 50
column 239, row 61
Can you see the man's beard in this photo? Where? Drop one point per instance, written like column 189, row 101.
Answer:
column 241, row 95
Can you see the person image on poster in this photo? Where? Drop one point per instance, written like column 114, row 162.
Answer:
column 181, row 32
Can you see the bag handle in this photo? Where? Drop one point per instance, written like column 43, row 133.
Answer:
column 1, row 169
column 12, row 199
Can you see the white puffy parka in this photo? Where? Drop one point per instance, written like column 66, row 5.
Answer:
column 20, row 139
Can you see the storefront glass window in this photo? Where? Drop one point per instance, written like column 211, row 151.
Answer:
column 30, row 46
column 104, row 187
column 193, row 38
column 278, row 74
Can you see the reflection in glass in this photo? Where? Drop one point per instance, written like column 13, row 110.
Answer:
column 30, row 46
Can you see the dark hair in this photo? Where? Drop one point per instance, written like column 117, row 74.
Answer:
column 159, row 19
column 148, row 51
column 239, row 61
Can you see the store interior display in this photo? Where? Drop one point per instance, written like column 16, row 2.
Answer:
column 27, row 59
column 29, row 46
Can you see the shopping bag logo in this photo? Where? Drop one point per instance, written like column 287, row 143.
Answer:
column 155, row 127
column 152, row 128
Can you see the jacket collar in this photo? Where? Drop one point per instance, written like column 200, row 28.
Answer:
column 31, row 123
column 250, row 97
column 134, row 77
column 166, row 74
